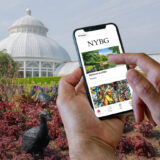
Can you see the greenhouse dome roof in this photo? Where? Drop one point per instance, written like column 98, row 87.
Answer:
column 28, row 38
column 66, row 68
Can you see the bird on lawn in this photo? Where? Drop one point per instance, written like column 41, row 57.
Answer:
column 36, row 139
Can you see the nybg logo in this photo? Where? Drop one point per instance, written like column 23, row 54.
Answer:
column 97, row 42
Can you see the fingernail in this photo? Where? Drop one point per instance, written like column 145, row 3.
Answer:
column 132, row 76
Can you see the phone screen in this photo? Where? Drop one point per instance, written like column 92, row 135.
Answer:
column 108, row 88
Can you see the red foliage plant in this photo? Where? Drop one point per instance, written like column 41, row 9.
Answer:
column 32, row 123
column 142, row 147
column 56, row 119
column 23, row 156
column 6, row 144
column 125, row 145
column 53, row 154
column 14, row 123
column 13, row 117
column 61, row 141
column 53, row 131
column 145, row 128
column 5, row 106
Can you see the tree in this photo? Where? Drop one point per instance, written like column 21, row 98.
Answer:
column 104, row 57
column 8, row 70
column 115, row 49
column 8, row 67
column 91, row 56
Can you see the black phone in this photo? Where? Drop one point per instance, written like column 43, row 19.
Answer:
column 108, row 90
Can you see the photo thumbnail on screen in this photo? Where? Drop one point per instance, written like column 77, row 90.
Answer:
column 107, row 94
column 97, row 60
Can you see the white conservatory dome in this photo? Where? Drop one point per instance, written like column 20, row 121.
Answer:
column 28, row 44
column 66, row 68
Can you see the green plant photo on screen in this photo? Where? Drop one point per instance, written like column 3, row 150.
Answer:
column 97, row 60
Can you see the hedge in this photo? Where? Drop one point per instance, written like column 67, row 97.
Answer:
column 37, row 80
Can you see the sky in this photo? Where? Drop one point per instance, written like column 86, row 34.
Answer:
column 105, row 51
column 138, row 20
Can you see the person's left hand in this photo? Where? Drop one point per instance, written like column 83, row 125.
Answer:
column 82, row 127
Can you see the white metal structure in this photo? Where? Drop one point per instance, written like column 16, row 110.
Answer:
column 66, row 68
column 28, row 44
column 156, row 57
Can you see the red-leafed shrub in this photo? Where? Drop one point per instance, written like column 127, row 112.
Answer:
column 13, row 117
column 56, row 119
column 11, row 124
column 53, row 131
column 65, row 158
column 4, row 106
column 32, row 123
column 57, row 156
column 12, row 131
column 21, row 112
column 138, row 159
column 145, row 128
column 6, row 144
column 142, row 147
column 53, row 154
column 23, row 156
column 61, row 141
column 125, row 145
column 27, row 108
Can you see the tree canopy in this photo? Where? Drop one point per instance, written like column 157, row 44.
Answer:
column 8, row 67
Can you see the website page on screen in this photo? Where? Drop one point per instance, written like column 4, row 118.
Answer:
column 108, row 87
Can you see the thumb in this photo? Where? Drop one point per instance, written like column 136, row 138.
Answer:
column 67, row 85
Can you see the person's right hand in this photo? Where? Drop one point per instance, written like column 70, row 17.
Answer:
column 146, row 89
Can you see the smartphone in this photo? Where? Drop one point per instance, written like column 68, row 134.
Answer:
column 107, row 88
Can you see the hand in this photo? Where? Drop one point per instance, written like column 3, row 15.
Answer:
column 88, row 137
column 146, row 96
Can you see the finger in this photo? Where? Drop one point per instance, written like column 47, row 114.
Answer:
column 144, row 89
column 80, row 88
column 149, row 116
column 138, row 59
column 138, row 108
column 144, row 62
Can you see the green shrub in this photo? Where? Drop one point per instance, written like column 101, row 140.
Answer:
column 8, row 67
column 37, row 80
